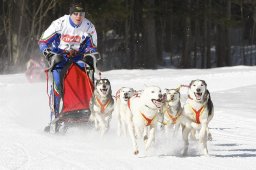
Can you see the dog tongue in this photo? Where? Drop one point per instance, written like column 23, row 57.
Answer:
column 198, row 96
column 157, row 103
column 104, row 91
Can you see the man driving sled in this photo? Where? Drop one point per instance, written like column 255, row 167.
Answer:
column 66, row 41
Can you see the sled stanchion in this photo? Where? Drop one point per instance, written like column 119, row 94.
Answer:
column 47, row 85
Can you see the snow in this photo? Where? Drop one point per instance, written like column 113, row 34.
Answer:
column 24, row 113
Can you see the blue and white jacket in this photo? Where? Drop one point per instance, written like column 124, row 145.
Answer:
column 64, row 35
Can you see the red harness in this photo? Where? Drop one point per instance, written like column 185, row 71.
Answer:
column 148, row 121
column 173, row 118
column 102, row 106
column 197, row 113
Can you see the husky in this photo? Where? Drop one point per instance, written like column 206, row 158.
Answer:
column 124, row 116
column 102, row 105
column 199, row 111
column 145, row 109
column 171, row 110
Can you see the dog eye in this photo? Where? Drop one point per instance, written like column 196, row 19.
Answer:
column 152, row 91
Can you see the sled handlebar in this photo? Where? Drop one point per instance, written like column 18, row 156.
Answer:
column 55, row 58
column 95, row 56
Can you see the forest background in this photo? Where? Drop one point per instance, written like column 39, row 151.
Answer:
column 139, row 33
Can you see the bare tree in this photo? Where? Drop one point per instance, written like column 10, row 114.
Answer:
column 186, row 52
column 22, row 31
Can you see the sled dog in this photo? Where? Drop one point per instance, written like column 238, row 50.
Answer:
column 199, row 111
column 171, row 110
column 102, row 105
column 145, row 110
column 124, row 116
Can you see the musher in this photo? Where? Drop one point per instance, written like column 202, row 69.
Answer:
column 71, row 34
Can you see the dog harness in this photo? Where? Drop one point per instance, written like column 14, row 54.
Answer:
column 118, row 94
column 102, row 106
column 148, row 121
column 197, row 113
column 173, row 118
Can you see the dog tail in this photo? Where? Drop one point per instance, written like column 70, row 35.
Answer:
column 209, row 104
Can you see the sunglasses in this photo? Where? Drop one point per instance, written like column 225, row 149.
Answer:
column 79, row 13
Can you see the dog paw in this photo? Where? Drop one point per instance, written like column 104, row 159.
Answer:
column 136, row 152
column 205, row 152
column 184, row 152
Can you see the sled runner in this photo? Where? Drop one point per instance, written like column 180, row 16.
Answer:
column 77, row 85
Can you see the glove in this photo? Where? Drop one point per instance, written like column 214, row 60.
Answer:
column 88, row 60
column 48, row 54
column 55, row 59
column 52, row 58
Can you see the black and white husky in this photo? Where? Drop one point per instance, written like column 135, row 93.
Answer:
column 102, row 105
column 198, row 111
column 171, row 111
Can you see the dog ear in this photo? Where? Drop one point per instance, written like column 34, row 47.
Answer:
column 206, row 95
column 164, row 97
column 108, row 81
column 204, row 82
column 178, row 89
column 192, row 81
column 97, row 81
column 118, row 92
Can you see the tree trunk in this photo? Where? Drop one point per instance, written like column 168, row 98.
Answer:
column 185, row 60
column 150, row 59
column 208, row 38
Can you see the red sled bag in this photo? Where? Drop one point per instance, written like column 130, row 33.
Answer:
column 77, row 90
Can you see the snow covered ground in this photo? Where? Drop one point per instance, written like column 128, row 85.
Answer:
column 24, row 113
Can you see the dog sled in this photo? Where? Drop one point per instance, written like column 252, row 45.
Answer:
column 77, row 86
